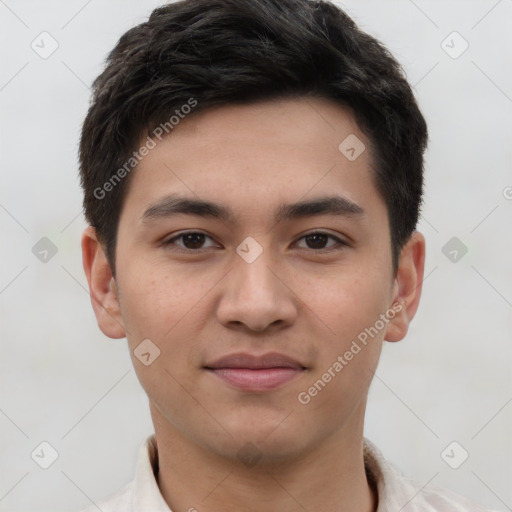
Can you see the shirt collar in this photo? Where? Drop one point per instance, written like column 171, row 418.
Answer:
column 146, row 494
column 380, row 473
column 385, row 477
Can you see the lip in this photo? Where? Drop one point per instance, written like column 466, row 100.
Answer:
column 255, row 362
column 249, row 372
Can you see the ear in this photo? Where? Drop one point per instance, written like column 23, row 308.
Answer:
column 102, row 286
column 407, row 287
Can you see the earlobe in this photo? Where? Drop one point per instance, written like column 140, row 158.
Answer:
column 407, row 287
column 102, row 287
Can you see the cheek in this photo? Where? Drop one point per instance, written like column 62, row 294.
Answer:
column 163, row 305
column 154, row 299
column 347, row 303
column 340, row 379
column 157, row 306
column 350, row 335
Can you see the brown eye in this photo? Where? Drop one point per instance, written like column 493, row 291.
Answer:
column 191, row 241
column 318, row 240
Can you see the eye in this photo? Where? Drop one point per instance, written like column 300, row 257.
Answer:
column 192, row 241
column 317, row 240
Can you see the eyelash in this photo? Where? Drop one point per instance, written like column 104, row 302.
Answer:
column 341, row 244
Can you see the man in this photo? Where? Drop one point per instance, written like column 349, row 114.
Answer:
column 253, row 174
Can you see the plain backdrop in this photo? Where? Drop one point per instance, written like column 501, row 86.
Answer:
column 64, row 383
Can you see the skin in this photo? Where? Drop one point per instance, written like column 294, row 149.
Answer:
column 293, row 299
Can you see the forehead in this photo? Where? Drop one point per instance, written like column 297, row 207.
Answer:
column 251, row 156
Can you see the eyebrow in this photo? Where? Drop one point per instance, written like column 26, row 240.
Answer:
column 172, row 205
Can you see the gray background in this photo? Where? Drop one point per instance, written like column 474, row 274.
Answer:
column 62, row 381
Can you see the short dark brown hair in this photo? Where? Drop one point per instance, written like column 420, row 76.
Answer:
column 206, row 53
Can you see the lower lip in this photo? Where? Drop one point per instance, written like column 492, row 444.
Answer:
column 261, row 379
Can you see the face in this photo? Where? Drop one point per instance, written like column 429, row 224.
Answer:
column 302, row 296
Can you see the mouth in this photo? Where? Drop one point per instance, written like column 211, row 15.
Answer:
column 256, row 373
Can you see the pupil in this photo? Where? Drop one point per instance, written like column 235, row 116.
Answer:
column 196, row 240
column 316, row 237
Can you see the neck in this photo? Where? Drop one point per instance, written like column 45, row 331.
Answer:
column 330, row 477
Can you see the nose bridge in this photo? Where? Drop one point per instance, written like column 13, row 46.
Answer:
column 253, row 272
column 254, row 295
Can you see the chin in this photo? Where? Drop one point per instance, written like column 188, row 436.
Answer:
column 266, row 443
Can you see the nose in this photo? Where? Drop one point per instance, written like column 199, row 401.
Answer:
column 257, row 295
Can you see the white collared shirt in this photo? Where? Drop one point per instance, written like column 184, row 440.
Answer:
column 395, row 492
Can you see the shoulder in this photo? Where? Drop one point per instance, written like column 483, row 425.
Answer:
column 397, row 492
column 428, row 498
column 121, row 501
